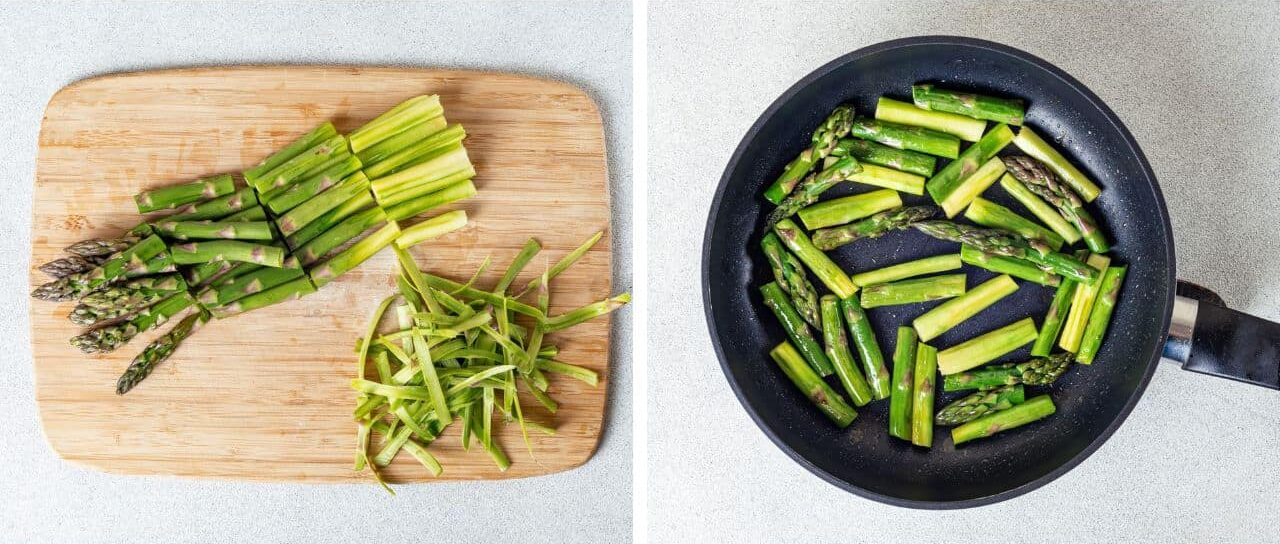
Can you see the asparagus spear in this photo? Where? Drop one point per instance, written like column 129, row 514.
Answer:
column 1031, row 143
column 113, row 303
column 926, row 372
column 227, row 250
column 307, row 141
column 1001, row 242
column 103, row 247
column 298, row 217
column 1018, row 268
column 920, row 267
column 812, row 187
column 1033, row 409
column 837, row 350
column 1081, row 306
column 316, row 249
column 286, row 198
column 1100, row 316
column 960, row 126
column 352, row 257
column 110, row 337
column 157, row 351
column 987, row 347
column 824, row 140
column 790, row 275
column 453, row 193
column 850, row 208
column 980, row 404
column 822, row 395
column 160, row 264
column 1001, row 110
column 1053, row 319
column 1039, row 180
column 71, row 264
column 871, row 227
column 1043, row 211
column 421, row 151
column 888, row 178
column 77, row 285
column 219, row 207
column 312, row 161
column 211, row 230
column 989, row 214
column 404, row 115
column 415, row 134
column 432, row 228
column 873, row 367
column 953, row 312
column 291, row 290
column 1037, row 371
column 796, row 329
column 913, row 291
column 144, row 286
column 869, row 152
column 356, row 204
column 971, row 186
column 822, row 266
column 229, row 290
column 177, row 195
column 942, row 184
column 900, row 399
column 907, row 137
column 444, row 165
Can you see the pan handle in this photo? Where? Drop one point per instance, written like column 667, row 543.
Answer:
column 1209, row 338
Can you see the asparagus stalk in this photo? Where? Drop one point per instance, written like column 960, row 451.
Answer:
column 71, row 264
column 989, row 214
column 987, row 347
column 425, row 187
column 813, row 186
column 822, row 395
column 1054, row 318
column 926, row 375
column 1001, row 110
column 424, row 150
column 110, row 337
column 1081, row 307
column 312, row 161
column 1043, row 211
column 913, row 291
column 822, row 266
column 227, row 250
column 1001, row 242
column 354, row 205
column 972, row 186
column 157, row 351
column 796, row 329
column 233, row 289
column 307, row 141
column 160, row 264
column 837, row 350
column 219, row 207
column 286, row 291
column 106, row 247
column 213, row 230
column 449, row 162
column 1033, row 409
column 316, row 249
column 900, row 399
column 942, row 184
column 850, row 208
column 177, row 195
column 298, row 217
column 115, row 302
column 790, row 275
column 953, row 312
column 907, row 137
column 864, row 339
column 77, row 285
column 286, row 198
column 1039, row 180
column 395, row 120
column 409, row 137
column 352, row 257
column 1100, row 316
column 871, row 227
column 920, row 267
column 1031, row 143
column 432, row 228
column 869, row 152
column 824, row 140
column 980, row 404
column 963, row 127
column 889, row 178
column 1000, row 264
column 1037, row 371
column 143, row 286
column 453, row 193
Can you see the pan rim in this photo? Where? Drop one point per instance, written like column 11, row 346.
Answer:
column 1132, row 148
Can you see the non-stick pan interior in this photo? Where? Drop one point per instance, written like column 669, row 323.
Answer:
column 1091, row 400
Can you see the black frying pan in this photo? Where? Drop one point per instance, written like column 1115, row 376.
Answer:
column 1092, row 400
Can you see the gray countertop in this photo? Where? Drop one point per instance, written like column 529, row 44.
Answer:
column 1197, row 86
column 47, row 46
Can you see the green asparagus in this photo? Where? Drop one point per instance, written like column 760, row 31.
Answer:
column 1039, row 180
column 796, row 328
column 350, row 258
column 791, row 277
column 839, row 211
column 1030, row 143
column 953, row 312
column 963, row 127
column 837, row 350
column 77, row 285
column 818, row 262
column 869, row 152
column 108, row 338
column 907, row 137
column 1033, row 409
column 824, row 140
column 1001, row 242
column 822, row 395
column 307, row 141
column 228, row 250
column 214, row 230
column 1001, row 110
column 177, row 195
column 1036, row 371
column 1054, row 319
column 989, row 214
column 864, row 339
column 157, row 351
column 900, row 399
column 432, row 228
column 942, row 184
column 971, row 186
column 1018, row 268
column 1082, row 306
column 1042, row 210
column 395, row 120
column 925, row 377
column 920, row 267
column 871, row 227
column 291, row 290
column 913, row 290
column 812, row 187
column 986, row 347
column 1100, row 316
column 980, row 404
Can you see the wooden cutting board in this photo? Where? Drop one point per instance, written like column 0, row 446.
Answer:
column 265, row 395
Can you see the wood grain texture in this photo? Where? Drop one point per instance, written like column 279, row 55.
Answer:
column 265, row 395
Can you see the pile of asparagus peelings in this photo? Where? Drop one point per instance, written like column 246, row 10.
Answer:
column 899, row 150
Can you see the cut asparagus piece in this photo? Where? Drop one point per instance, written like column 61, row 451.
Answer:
column 173, row 196
column 1001, row 110
column 409, row 137
column 869, row 152
column 989, row 214
column 796, row 329
column 812, row 187
column 356, row 204
column 850, row 208
column 791, row 277
column 297, row 147
column 216, row 230
column 864, row 339
column 291, row 290
column 953, row 312
column 416, row 190
column 980, row 404
column 871, row 227
column 1039, row 180
column 1030, row 143
column 1081, row 307
column 972, row 186
column 822, row 266
column 985, row 348
column 824, row 140
column 160, row 264
column 822, row 395
column 286, row 198
column 925, row 377
column 108, row 338
column 302, row 215
column 395, row 120
column 900, row 399
column 432, row 228
column 889, row 178
column 837, row 350
column 217, row 208
column 227, row 250
column 920, row 267
column 158, row 351
column 313, row 160
column 907, row 137
column 1039, row 208
column 1100, row 316
column 1037, row 371
column 116, row 267
column 417, row 153
column 1018, row 268
column 964, row 127
column 1033, row 409
column 913, row 290
column 942, row 184
column 320, row 246
column 448, row 195
column 1054, row 319
column 233, row 289
column 444, row 165
column 358, row 253
column 1008, row 244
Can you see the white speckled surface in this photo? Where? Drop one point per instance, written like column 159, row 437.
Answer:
column 45, row 47
column 1197, row 459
